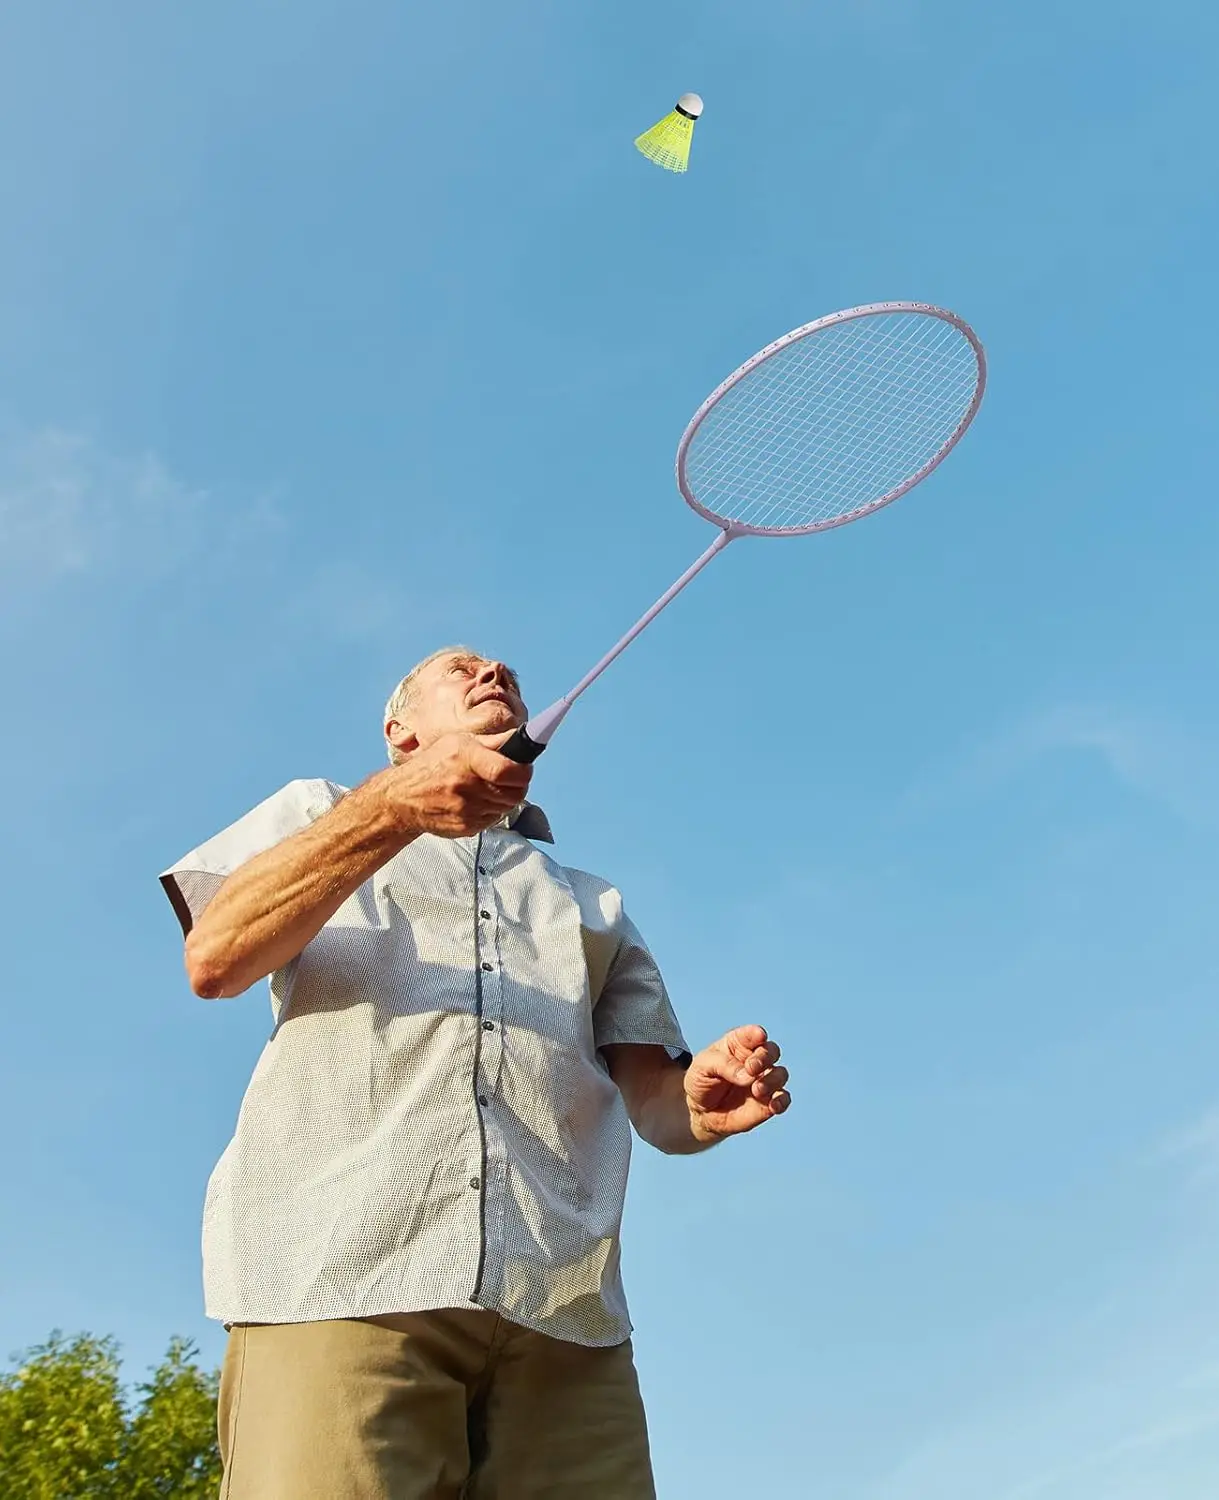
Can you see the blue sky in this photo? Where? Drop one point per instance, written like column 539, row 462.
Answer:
column 332, row 333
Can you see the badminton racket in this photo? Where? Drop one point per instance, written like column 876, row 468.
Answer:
column 824, row 426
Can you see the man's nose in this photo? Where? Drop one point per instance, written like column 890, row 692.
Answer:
column 492, row 673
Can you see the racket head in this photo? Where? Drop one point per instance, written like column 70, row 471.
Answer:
column 833, row 420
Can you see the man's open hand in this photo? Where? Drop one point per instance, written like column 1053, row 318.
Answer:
column 735, row 1085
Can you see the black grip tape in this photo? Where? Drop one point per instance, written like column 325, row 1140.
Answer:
column 521, row 748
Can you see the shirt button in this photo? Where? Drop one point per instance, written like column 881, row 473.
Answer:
column 485, row 915
column 482, row 869
column 486, row 968
column 473, row 1182
column 482, row 1099
column 488, row 1025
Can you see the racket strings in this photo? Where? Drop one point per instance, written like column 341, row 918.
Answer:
column 848, row 462
column 931, row 418
column 858, row 377
column 833, row 423
column 795, row 482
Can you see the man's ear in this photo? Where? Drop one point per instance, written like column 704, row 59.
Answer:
column 401, row 736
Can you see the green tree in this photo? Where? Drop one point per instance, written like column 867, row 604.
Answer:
column 68, row 1432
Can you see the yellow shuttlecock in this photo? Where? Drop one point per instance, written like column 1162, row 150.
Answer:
column 668, row 141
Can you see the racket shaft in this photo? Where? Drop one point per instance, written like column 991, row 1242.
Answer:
column 529, row 741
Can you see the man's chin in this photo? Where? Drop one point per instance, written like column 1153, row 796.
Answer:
column 495, row 718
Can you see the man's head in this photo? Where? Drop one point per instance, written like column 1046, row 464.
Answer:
column 453, row 689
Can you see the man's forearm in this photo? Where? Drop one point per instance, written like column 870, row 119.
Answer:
column 268, row 910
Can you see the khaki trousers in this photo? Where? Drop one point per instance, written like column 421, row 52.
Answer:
column 428, row 1406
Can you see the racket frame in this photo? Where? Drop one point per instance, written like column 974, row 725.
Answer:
column 831, row 320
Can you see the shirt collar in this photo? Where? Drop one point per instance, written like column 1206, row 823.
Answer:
column 529, row 819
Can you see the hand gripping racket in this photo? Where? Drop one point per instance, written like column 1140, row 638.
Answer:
column 822, row 427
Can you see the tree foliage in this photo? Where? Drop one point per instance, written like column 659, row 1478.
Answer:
column 68, row 1431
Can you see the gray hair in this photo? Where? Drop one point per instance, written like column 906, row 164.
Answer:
column 403, row 695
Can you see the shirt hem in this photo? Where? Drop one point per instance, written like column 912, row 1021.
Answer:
column 231, row 1320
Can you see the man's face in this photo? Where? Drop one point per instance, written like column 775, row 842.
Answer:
column 459, row 692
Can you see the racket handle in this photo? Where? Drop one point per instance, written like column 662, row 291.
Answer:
column 521, row 748
column 531, row 739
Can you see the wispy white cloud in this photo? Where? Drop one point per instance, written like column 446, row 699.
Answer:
column 69, row 507
column 1153, row 757
column 73, row 509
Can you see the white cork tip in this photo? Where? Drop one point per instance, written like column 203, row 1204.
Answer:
column 691, row 104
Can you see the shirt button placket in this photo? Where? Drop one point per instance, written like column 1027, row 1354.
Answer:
column 492, row 1026
column 486, row 956
column 491, row 982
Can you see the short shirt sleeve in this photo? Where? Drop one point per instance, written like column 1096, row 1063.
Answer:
column 192, row 882
column 634, row 1006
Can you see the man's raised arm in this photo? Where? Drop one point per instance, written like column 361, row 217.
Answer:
column 266, row 911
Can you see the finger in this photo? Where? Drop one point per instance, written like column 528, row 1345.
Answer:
column 744, row 1071
column 481, row 797
column 742, row 1040
column 484, row 786
column 715, row 1067
column 485, row 760
column 503, row 774
column 761, row 1060
column 494, row 741
column 779, row 1102
column 499, row 799
column 771, row 1083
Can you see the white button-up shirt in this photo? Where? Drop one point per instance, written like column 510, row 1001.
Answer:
column 431, row 1123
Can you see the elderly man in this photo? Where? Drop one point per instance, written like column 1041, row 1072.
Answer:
column 413, row 1234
